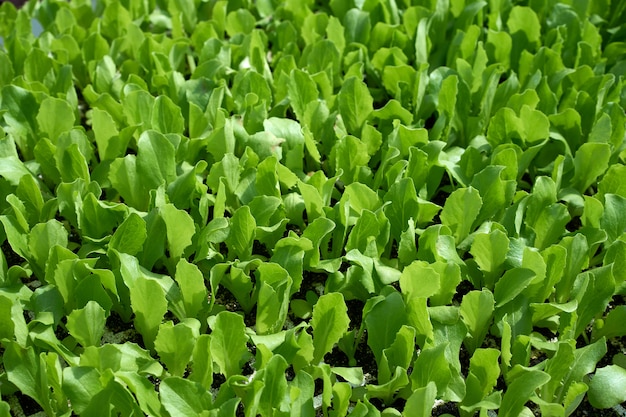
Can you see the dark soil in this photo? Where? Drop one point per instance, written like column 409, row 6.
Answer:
column 446, row 408
column 310, row 280
column 463, row 288
column 259, row 248
column 116, row 325
column 585, row 409
column 11, row 257
column 29, row 406
column 16, row 3
column 365, row 359
column 355, row 313
column 218, row 381
column 398, row 404
column 227, row 299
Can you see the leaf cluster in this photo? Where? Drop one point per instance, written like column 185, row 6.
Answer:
column 295, row 208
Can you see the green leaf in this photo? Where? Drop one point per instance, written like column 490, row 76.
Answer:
column 576, row 256
column 29, row 193
column 477, row 309
column 188, row 12
column 496, row 192
column 323, row 56
column 181, row 396
column 302, row 91
column 242, row 233
column 92, row 288
column 399, row 354
column 318, row 231
column 407, row 250
column 511, row 284
column 431, row 366
column 239, row 283
column 6, row 69
column 154, row 245
column 521, row 389
column 228, row 343
column 55, row 116
column 404, row 206
column 125, row 179
column 550, row 225
column 22, row 124
column 149, row 304
column 115, row 394
column 330, row 321
column 267, row 178
column 369, row 227
column 597, row 287
column 82, row 385
column 12, row 169
column 289, row 253
column 167, row 116
column 192, row 287
column 584, row 362
column 613, row 181
column 444, row 172
column 489, row 251
column 461, row 208
column 608, row 387
column 273, row 397
column 137, row 106
column 130, row 235
column 5, row 409
column 98, row 218
column 175, row 344
column 351, row 375
column 303, row 385
column 419, row 280
column 202, row 371
column 421, row 401
column 341, row 399
column 179, row 227
column 558, row 368
column 612, row 220
column 612, row 325
column 239, row 21
column 591, row 161
column 357, row 26
column 274, row 288
column 384, row 321
column 155, row 159
column 110, row 143
column 524, row 19
column 127, row 357
column 349, row 157
column 250, row 85
column 26, row 370
column 72, row 164
column 132, row 272
column 15, row 325
column 87, row 324
column 482, row 378
column 355, row 104
column 43, row 237
column 143, row 391
column 290, row 133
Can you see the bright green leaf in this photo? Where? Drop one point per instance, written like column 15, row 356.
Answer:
column 330, row 321
column 355, row 104
column 228, row 343
column 608, row 387
column 175, row 343
column 87, row 324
